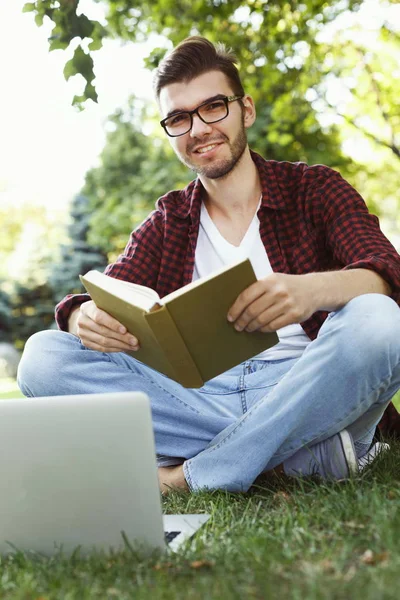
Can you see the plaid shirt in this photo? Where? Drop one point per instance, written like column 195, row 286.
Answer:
column 311, row 220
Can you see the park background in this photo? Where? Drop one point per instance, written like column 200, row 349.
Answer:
column 77, row 175
column 83, row 158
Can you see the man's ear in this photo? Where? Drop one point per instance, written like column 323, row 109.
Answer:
column 249, row 110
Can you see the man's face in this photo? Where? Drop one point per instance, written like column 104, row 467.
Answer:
column 211, row 150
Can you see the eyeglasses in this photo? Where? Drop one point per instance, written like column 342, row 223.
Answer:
column 211, row 111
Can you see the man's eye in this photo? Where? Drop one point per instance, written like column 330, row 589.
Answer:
column 215, row 105
column 178, row 119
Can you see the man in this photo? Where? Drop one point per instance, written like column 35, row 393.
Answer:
column 328, row 282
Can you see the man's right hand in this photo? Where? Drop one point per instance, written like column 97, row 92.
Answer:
column 98, row 330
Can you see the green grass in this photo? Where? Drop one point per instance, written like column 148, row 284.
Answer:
column 9, row 389
column 298, row 540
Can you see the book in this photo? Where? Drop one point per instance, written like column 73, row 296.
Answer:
column 186, row 334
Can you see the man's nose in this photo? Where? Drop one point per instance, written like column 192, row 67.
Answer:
column 199, row 128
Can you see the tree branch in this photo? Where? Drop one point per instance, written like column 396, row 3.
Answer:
column 391, row 146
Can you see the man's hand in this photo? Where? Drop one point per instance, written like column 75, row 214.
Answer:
column 97, row 330
column 274, row 302
column 279, row 299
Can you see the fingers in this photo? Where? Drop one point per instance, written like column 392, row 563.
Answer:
column 267, row 305
column 254, row 319
column 101, row 318
column 247, row 297
column 103, row 343
column 99, row 331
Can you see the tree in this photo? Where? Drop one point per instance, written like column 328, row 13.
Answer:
column 285, row 58
column 273, row 41
column 5, row 316
column 77, row 256
column 32, row 311
column 135, row 169
column 360, row 92
column 270, row 37
column 47, row 274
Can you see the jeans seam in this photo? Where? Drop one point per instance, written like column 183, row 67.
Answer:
column 144, row 377
column 188, row 477
column 238, row 426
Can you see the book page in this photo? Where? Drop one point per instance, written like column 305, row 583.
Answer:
column 136, row 294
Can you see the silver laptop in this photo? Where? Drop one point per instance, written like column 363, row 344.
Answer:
column 80, row 471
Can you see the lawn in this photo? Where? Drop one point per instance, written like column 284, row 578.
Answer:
column 298, row 540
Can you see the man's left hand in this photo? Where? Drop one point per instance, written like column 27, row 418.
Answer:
column 274, row 302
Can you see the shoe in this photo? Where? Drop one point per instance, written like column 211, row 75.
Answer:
column 334, row 458
column 372, row 453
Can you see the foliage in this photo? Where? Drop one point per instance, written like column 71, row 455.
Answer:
column 45, row 273
column 359, row 91
column 365, row 67
column 265, row 34
column 273, row 41
column 32, row 311
column 134, row 170
column 288, row 63
column 77, row 256
column 68, row 25
column 5, row 316
column 28, row 241
column 28, row 247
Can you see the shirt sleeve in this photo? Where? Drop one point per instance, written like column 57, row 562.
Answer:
column 353, row 235
column 139, row 263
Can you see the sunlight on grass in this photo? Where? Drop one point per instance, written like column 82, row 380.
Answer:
column 9, row 389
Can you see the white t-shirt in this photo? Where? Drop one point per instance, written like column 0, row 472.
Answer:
column 213, row 251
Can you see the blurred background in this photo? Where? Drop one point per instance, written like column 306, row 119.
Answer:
column 83, row 159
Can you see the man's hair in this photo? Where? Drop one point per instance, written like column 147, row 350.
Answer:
column 193, row 57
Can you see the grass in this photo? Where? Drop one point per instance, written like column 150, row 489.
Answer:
column 298, row 540
column 9, row 389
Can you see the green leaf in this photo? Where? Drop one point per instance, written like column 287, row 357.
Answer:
column 90, row 92
column 96, row 44
column 69, row 69
column 84, row 26
column 78, row 101
column 81, row 63
column 39, row 19
column 28, row 7
column 56, row 43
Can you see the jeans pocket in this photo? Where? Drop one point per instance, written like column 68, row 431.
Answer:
column 265, row 374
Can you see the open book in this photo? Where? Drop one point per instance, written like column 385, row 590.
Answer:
column 186, row 334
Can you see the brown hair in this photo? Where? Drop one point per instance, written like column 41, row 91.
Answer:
column 194, row 56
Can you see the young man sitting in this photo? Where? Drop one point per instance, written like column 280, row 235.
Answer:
column 328, row 283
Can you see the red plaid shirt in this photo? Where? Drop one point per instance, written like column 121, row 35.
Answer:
column 310, row 220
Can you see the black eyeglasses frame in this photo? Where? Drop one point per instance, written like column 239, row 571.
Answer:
column 195, row 111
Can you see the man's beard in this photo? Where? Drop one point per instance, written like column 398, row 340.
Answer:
column 221, row 168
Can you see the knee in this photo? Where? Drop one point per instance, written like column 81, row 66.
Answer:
column 371, row 326
column 40, row 358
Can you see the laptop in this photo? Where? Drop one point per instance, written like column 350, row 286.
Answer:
column 80, row 471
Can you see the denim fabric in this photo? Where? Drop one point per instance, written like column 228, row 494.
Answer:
column 254, row 416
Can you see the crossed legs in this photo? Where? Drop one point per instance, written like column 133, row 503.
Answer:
column 255, row 416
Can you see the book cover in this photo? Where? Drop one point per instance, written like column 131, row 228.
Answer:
column 186, row 335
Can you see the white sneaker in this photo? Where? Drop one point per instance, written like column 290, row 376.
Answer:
column 372, row 453
column 334, row 458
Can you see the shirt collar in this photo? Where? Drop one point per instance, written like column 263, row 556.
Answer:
column 273, row 196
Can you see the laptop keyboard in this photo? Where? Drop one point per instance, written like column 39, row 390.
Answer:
column 170, row 535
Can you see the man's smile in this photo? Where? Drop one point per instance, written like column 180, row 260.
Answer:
column 206, row 148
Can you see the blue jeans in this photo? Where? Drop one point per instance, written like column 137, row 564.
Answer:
column 254, row 416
